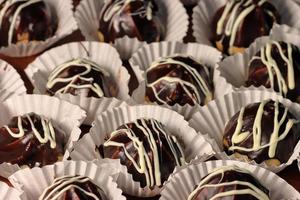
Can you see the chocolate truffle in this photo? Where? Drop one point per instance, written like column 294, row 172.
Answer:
column 229, row 183
column 178, row 80
column 237, row 24
column 263, row 132
column 31, row 140
column 147, row 149
column 22, row 21
column 73, row 188
column 133, row 18
column 277, row 66
column 81, row 77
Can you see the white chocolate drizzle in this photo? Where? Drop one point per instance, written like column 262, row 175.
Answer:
column 273, row 68
column 275, row 138
column 63, row 184
column 233, row 16
column 117, row 7
column 250, row 190
column 200, row 81
column 48, row 134
column 144, row 165
column 89, row 85
column 14, row 19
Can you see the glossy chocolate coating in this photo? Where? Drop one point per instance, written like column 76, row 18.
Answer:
column 27, row 150
column 86, row 81
column 257, row 23
column 166, row 159
column 35, row 22
column 229, row 176
column 176, row 92
column 285, row 147
column 258, row 72
column 73, row 193
column 130, row 19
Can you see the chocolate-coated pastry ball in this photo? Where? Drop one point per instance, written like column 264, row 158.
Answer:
column 146, row 148
column 263, row 132
column 31, row 140
column 229, row 183
column 237, row 24
column 22, row 21
column 73, row 188
column 81, row 77
column 179, row 80
column 133, row 18
column 277, row 66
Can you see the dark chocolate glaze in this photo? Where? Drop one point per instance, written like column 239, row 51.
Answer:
column 127, row 22
column 285, row 147
column 27, row 150
column 167, row 161
column 35, row 22
column 258, row 72
column 175, row 92
column 82, row 78
column 74, row 193
column 229, row 176
column 257, row 23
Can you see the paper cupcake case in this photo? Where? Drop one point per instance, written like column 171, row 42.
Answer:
column 182, row 183
column 85, row 149
column 102, row 173
column 10, row 193
column 65, row 116
column 232, row 72
column 204, row 12
column 143, row 58
column 212, row 120
column 172, row 13
column 93, row 106
column 66, row 25
column 10, row 81
column 102, row 54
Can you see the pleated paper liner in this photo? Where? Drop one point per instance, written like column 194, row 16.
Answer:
column 66, row 25
column 232, row 72
column 10, row 81
column 143, row 58
column 172, row 13
column 204, row 12
column 65, row 116
column 102, row 173
column 93, row 106
column 194, row 144
column 182, row 183
column 102, row 54
column 212, row 120
column 10, row 193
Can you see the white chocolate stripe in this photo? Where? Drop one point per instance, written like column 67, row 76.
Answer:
column 63, row 184
column 144, row 165
column 48, row 131
column 251, row 190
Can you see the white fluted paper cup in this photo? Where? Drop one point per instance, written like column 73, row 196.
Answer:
column 10, row 81
column 146, row 55
column 204, row 12
column 101, row 53
column 10, row 193
column 66, row 25
column 181, row 184
column 213, row 118
column 93, row 106
column 194, row 144
column 102, row 173
column 64, row 115
column 172, row 13
column 232, row 72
